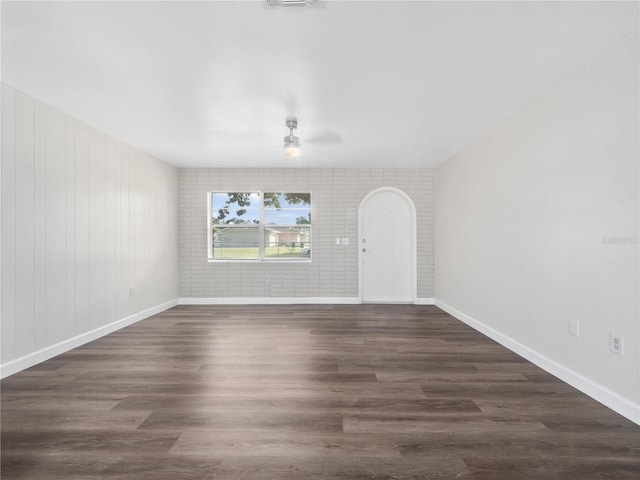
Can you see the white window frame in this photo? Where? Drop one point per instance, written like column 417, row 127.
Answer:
column 261, row 232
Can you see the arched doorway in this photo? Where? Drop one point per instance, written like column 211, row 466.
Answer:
column 387, row 247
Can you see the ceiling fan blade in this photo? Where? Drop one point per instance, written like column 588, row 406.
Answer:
column 325, row 136
column 266, row 148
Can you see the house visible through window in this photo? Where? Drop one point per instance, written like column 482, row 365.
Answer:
column 259, row 226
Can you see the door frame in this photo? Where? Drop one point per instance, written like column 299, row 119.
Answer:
column 412, row 238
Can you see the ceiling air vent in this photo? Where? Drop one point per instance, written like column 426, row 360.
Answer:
column 294, row 3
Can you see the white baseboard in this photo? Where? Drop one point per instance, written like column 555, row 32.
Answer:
column 267, row 300
column 282, row 301
column 619, row 404
column 31, row 359
column 424, row 301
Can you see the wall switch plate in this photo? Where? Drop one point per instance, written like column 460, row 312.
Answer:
column 616, row 344
column 338, row 241
column 132, row 292
column 574, row 328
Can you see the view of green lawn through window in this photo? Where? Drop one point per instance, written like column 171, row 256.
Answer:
column 260, row 226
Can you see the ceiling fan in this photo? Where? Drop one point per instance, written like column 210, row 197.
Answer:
column 292, row 143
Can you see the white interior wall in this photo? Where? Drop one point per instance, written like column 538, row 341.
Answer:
column 537, row 225
column 85, row 217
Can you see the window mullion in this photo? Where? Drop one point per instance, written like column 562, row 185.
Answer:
column 261, row 228
column 210, row 226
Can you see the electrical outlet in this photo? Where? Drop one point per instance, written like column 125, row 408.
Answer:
column 266, row 279
column 574, row 328
column 616, row 344
column 345, row 241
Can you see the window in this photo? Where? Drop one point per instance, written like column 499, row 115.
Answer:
column 259, row 226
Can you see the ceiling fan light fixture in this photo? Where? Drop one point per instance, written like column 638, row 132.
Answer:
column 291, row 146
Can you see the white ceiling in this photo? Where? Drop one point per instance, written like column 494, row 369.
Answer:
column 403, row 84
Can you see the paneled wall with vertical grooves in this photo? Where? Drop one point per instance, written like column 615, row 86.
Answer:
column 85, row 219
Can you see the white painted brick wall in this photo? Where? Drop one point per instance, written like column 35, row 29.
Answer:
column 335, row 195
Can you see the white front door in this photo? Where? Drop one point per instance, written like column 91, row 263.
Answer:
column 387, row 247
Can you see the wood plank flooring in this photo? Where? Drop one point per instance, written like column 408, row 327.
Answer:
column 305, row 392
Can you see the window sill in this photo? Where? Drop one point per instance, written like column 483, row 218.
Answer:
column 280, row 260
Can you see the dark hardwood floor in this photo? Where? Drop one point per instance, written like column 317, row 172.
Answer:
column 305, row 392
